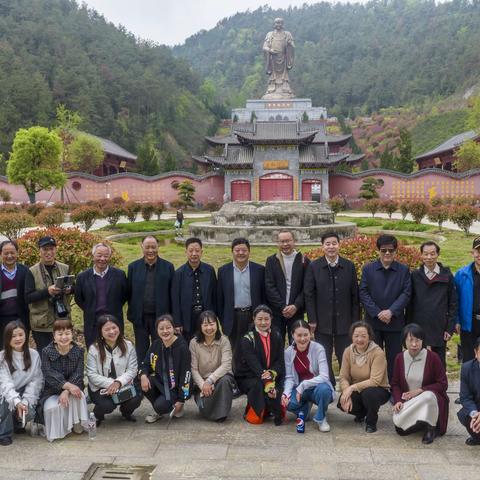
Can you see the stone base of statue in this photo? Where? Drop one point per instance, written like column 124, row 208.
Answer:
column 260, row 223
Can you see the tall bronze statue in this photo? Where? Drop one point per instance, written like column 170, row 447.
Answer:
column 279, row 55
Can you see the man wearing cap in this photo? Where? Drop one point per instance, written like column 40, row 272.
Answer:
column 467, row 281
column 46, row 301
column 100, row 290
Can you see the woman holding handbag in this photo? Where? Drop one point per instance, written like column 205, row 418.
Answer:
column 111, row 371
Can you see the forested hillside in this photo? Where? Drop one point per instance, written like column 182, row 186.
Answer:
column 133, row 92
column 351, row 58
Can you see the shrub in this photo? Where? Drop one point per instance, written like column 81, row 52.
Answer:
column 389, row 207
column 212, row 206
column 74, row 247
column 50, row 217
column 118, row 201
column 336, row 204
column 34, row 209
column 439, row 214
column 66, row 207
column 463, row 216
column 363, row 249
column 12, row 224
column 85, row 216
column 159, row 208
column 418, row 210
column 5, row 195
column 372, row 206
column 436, row 202
column 112, row 212
column 147, row 211
column 131, row 210
column 404, row 209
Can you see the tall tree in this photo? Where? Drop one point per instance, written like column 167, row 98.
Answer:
column 405, row 159
column 35, row 161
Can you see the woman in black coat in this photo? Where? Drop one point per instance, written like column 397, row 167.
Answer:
column 165, row 373
column 260, row 371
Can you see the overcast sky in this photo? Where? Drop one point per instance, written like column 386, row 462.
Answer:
column 172, row 21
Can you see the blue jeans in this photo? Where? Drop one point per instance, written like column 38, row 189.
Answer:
column 321, row 395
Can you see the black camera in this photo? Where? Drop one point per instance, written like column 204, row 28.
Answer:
column 59, row 307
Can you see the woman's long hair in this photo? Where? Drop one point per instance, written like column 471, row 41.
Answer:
column 100, row 342
column 8, row 350
column 205, row 316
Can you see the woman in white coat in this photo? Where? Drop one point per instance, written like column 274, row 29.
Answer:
column 111, row 370
column 21, row 381
column 307, row 378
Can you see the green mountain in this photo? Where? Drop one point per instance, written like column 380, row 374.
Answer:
column 351, row 58
column 130, row 91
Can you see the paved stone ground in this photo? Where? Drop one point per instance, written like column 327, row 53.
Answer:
column 195, row 448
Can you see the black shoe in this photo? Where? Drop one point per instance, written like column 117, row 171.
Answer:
column 236, row 392
column 5, row 441
column 98, row 422
column 457, row 401
column 221, row 420
column 129, row 417
column 471, row 442
column 429, row 436
column 370, row 428
column 277, row 421
column 19, row 430
column 359, row 419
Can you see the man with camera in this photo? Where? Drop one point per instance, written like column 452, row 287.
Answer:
column 48, row 298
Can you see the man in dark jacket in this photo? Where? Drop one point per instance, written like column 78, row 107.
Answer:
column 284, row 274
column 241, row 289
column 433, row 305
column 469, row 415
column 385, row 291
column 194, row 289
column 331, row 299
column 99, row 290
column 12, row 288
column 149, row 283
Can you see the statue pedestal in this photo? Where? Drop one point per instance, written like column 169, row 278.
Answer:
column 260, row 222
column 292, row 109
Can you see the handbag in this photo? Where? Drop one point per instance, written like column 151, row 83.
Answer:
column 123, row 394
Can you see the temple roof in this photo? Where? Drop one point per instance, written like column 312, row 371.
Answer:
column 278, row 132
column 113, row 149
column 450, row 144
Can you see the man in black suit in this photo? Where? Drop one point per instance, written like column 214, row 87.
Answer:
column 194, row 289
column 149, row 283
column 99, row 290
column 284, row 275
column 12, row 288
column 469, row 415
column 331, row 299
column 241, row 288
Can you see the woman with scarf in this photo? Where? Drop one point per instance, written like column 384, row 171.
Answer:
column 363, row 377
column 260, row 368
column 419, row 388
column 165, row 372
column 307, row 376
column 21, row 381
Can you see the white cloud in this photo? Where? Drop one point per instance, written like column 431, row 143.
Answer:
column 172, row 21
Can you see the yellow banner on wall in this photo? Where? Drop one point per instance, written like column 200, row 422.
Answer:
column 275, row 165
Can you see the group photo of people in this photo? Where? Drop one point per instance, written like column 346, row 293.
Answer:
column 293, row 338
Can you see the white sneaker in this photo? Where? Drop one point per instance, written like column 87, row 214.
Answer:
column 323, row 426
column 152, row 418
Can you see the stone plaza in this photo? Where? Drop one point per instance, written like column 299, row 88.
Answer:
column 195, row 448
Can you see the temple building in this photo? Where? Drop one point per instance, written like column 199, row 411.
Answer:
column 443, row 155
column 116, row 160
column 287, row 156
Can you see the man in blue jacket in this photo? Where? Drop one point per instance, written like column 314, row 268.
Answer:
column 149, row 284
column 385, row 291
column 467, row 281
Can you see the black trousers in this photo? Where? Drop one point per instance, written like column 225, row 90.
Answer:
column 391, row 342
column 42, row 339
column 258, row 399
column 467, row 339
column 241, row 323
column 466, row 424
column 329, row 342
column 104, row 404
column 367, row 403
column 156, row 396
column 442, row 353
column 144, row 335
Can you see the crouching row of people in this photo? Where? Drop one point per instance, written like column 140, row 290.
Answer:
column 274, row 380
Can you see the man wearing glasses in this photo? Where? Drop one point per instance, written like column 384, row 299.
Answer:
column 385, row 291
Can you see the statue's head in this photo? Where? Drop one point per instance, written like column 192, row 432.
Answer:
column 278, row 23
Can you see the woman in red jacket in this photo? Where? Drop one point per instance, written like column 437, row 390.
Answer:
column 419, row 388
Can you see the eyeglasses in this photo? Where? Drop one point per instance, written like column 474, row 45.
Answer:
column 387, row 250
